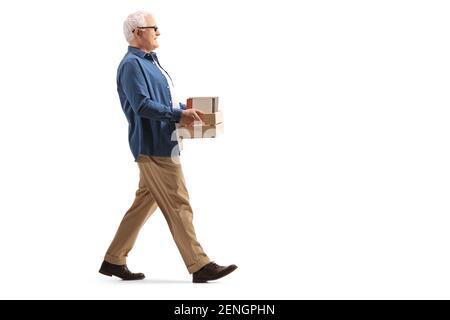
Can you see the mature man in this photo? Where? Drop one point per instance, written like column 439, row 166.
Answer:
column 147, row 96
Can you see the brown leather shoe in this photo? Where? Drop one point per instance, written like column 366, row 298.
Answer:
column 120, row 271
column 212, row 271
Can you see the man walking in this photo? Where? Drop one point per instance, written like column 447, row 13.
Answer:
column 147, row 97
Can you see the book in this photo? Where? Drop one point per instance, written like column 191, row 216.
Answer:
column 205, row 104
column 200, row 131
column 210, row 119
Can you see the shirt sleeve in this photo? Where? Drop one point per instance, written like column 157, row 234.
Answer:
column 133, row 83
column 182, row 106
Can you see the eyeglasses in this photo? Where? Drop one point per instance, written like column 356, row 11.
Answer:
column 150, row 27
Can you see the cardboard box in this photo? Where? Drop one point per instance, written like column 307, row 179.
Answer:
column 200, row 131
column 211, row 119
column 205, row 104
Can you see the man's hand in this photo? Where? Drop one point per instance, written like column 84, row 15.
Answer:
column 189, row 116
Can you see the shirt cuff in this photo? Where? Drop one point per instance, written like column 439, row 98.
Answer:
column 176, row 115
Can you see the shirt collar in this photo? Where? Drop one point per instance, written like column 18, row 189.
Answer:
column 142, row 54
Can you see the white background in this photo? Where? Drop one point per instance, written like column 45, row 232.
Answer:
column 331, row 181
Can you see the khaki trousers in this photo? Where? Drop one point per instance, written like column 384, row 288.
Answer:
column 161, row 185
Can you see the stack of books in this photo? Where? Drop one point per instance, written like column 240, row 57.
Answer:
column 212, row 123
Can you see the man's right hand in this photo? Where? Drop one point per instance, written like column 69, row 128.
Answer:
column 189, row 116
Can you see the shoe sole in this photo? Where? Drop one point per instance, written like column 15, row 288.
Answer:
column 110, row 275
column 105, row 273
column 220, row 275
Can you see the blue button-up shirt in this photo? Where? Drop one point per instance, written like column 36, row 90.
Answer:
column 145, row 97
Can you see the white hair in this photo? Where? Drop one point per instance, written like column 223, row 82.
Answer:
column 134, row 20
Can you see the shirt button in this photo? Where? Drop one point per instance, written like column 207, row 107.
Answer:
column 167, row 87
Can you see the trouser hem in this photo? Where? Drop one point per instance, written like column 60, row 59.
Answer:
column 198, row 265
column 115, row 260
